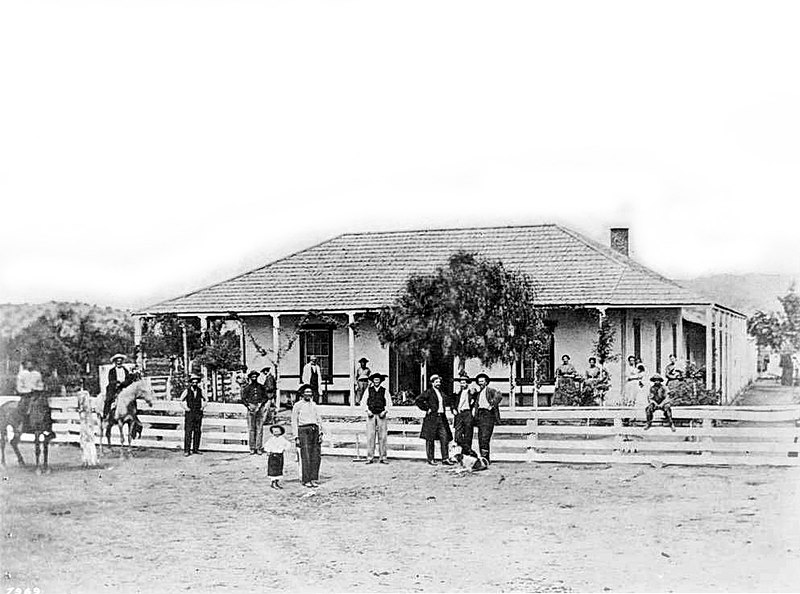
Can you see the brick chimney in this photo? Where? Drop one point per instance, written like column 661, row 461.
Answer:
column 619, row 239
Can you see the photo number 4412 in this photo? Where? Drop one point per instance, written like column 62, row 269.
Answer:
column 13, row 590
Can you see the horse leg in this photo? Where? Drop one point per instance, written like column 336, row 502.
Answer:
column 37, row 447
column 121, row 440
column 15, row 444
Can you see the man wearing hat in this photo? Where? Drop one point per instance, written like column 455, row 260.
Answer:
column 658, row 399
column 376, row 405
column 363, row 374
column 270, row 387
column 118, row 378
column 312, row 373
column 434, row 425
column 193, row 401
column 254, row 397
column 488, row 413
column 464, row 408
column 307, row 429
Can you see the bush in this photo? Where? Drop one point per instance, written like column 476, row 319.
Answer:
column 692, row 391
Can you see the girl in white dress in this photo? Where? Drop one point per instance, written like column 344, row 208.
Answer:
column 276, row 447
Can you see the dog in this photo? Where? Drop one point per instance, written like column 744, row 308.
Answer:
column 466, row 462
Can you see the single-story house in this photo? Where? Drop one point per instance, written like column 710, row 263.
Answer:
column 322, row 301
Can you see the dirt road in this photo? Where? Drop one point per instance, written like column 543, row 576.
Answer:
column 159, row 522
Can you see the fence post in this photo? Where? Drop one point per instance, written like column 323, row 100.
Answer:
column 617, row 451
column 706, row 439
column 532, row 427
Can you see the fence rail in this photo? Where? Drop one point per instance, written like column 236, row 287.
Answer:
column 704, row 435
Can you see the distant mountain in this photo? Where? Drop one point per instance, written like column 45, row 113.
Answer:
column 744, row 292
column 14, row 317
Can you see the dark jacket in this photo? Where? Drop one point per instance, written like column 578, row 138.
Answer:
column 253, row 393
column 472, row 398
column 494, row 397
column 429, row 402
column 115, row 383
column 269, row 385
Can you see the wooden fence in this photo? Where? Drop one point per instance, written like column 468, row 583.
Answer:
column 704, row 435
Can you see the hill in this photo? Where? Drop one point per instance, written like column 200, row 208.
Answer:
column 743, row 292
column 14, row 317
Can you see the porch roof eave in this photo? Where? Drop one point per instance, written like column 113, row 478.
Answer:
column 249, row 313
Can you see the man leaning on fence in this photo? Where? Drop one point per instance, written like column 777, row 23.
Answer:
column 254, row 397
column 377, row 401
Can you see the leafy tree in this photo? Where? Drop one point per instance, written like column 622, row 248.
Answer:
column 604, row 345
column 469, row 308
column 222, row 351
column 778, row 330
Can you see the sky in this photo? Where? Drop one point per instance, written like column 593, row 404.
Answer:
column 149, row 148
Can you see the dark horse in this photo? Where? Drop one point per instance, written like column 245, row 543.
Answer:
column 124, row 412
column 38, row 423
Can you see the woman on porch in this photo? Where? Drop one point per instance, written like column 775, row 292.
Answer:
column 567, row 387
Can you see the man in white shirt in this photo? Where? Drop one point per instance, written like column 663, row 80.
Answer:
column 307, row 429
column 465, row 406
column 434, row 425
column 312, row 375
column 29, row 384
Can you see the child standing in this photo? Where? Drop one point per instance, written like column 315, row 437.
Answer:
column 86, row 414
column 276, row 446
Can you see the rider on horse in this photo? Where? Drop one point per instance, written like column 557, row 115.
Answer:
column 118, row 378
column 32, row 408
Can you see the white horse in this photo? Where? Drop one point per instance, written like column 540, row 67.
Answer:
column 124, row 413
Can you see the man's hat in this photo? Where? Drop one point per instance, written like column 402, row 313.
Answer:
column 118, row 356
column 279, row 427
column 266, row 369
column 378, row 375
column 435, row 376
column 303, row 387
column 363, row 360
column 463, row 375
column 657, row 378
column 482, row 375
column 253, row 373
column 194, row 376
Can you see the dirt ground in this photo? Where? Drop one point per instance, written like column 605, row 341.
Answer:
column 159, row 522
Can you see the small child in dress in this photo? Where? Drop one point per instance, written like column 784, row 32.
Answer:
column 86, row 414
column 276, row 446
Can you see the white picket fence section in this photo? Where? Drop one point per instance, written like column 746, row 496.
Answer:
column 705, row 435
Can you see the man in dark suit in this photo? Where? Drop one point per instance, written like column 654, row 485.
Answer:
column 118, row 378
column 434, row 425
column 464, row 406
column 254, row 397
column 488, row 412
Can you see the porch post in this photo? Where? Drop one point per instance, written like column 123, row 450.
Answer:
column 203, row 340
column 351, row 343
column 718, row 353
column 276, row 326
column 185, row 336
column 679, row 347
column 512, row 396
column 137, row 341
column 423, row 376
column 242, row 343
column 709, row 351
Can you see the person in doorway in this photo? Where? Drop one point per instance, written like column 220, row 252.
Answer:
column 488, row 414
column 276, row 447
column 464, row 409
column 307, row 428
column 434, row 425
column 118, row 378
column 193, row 402
column 312, row 375
column 658, row 400
column 377, row 402
column 673, row 372
column 254, row 397
column 363, row 375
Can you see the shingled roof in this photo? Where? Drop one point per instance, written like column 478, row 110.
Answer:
column 358, row 271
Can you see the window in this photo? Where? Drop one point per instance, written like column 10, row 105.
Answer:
column 319, row 342
column 658, row 347
column 637, row 338
column 525, row 366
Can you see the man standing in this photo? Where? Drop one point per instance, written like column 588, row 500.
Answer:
column 363, row 374
column 194, row 402
column 377, row 403
column 270, row 388
column 307, row 429
column 464, row 408
column 434, row 425
column 29, row 385
column 254, row 397
column 118, row 378
column 311, row 375
column 488, row 413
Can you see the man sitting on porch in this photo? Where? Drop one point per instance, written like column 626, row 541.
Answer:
column 658, row 400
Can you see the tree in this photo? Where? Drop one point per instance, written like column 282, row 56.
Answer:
column 469, row 308
column 778, row 330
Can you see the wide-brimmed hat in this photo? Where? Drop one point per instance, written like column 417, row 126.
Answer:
column 302, row 388
column 656, row 378
column 194, row 376
column 118, row 356
column 363, row 360
column 280, row 427
column 463, row 375
column 482, row 375
column 435, row 376
column 378, row 375
column 253, row 373
column 266, row 369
